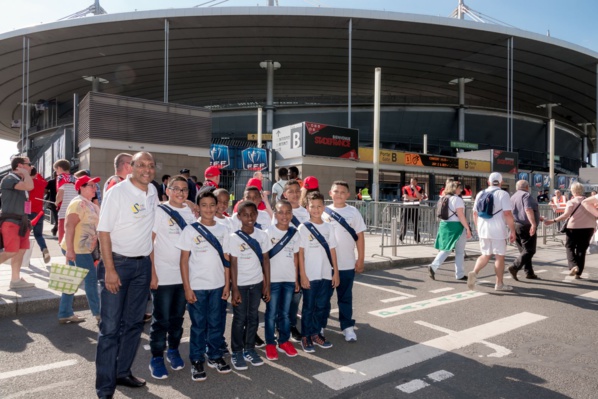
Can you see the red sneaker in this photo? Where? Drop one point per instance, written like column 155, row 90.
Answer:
column 287, row 348
column 271, row 353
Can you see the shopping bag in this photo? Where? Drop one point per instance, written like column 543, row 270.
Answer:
column 66, row 278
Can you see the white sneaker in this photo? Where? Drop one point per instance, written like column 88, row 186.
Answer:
column 349, row 334
column 14, row 285
column 471, row 278
column 502, row 287
column 47, row 257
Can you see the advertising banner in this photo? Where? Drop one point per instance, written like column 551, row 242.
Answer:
column 255, row 159
column 219, row 156
column 562, row 182
column 523, row 176
column 474, row 165
column 504, row 162
column 287, row 141
column 413, row 159
column 330, row 141
column 541, row 180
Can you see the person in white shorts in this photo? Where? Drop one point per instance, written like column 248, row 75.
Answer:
column 493, row 233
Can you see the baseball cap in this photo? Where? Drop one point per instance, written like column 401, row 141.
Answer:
column 185, row 170
column 255, row 183
column 212, row 171
column 84, row 180
column 495, row 178
column 310, row 183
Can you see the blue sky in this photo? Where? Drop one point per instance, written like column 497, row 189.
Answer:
column 569, row 20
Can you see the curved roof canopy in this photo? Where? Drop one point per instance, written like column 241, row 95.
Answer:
column 214, row 57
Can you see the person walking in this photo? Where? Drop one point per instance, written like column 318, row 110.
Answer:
column 125, row 230
column 36, row 196
column 453, row 232
column 80, row 240
column 581, row 223
column 492, row 222
column 527, row 218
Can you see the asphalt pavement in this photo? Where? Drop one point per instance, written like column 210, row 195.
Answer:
column 417, row 338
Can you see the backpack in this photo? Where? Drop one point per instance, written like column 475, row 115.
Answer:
column 485, row 205
column 443, row 211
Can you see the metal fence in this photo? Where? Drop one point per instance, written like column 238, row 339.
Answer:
column 402, row 225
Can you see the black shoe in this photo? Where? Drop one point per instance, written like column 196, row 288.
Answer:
column 513, row 272
column 197, row 371
column 106, row 397
column 259, row 343
column 220, row 365
column 464, row 278
column 532, row 277
column 431, row 272
column 295, row 334
column 131, row 381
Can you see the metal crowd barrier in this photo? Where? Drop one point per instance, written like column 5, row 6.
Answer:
column 400, row 225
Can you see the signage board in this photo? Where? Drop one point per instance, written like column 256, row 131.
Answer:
column 541, row 180
column 474, row 165
column 287, row 141
column 437, row 161
column 465, row 145
column 523, row 176
column 254, row 159
column 562, row 182
column 219, row 156
column 390, row 157
column 504, row 162
column 330, row 141
column 253, row 137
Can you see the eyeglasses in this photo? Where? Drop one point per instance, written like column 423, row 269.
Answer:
column 179, row 190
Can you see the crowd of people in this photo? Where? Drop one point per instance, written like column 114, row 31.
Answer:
column 175, row 243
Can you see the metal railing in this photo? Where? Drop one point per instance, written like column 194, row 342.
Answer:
column 406, row 225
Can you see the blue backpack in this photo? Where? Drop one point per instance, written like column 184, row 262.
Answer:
column 485, row 205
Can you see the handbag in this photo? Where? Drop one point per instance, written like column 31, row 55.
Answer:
column 563, row 228
column 65, row 278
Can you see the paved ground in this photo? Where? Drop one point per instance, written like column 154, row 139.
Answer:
column 417, row 339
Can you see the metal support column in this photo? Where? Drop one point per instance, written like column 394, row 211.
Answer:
column 551, row 154
column 350, row 72
column 270, row 97
column 75, row 124
column 376, row 168
column 461, row 109
column 23, row 95
column 28, row 125
column 166, row 57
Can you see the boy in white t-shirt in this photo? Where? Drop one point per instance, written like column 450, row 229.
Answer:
column 224, row 219
column 337, row 214
column 168, row 294
column 284, row 265
column 292, row 192
column 206, row 275
column 319, row 272
column 250, row 275
column 263, row 220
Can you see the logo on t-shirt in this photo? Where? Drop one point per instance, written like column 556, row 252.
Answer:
column 198, row 239
column 243, row 247
column 137, row 208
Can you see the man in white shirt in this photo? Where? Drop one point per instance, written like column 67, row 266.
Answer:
column 492, row 232
column 125, row 231
column 278, row 187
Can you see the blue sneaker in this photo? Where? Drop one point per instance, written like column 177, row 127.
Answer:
column 320, row 341
column 174, row 358
column 238, row 361
column 158, row 368
column 307, row 345
column 252, row 357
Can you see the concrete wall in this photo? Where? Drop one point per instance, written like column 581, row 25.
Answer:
column 326, row 175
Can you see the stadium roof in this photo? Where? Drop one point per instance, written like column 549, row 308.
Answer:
column 215, row 53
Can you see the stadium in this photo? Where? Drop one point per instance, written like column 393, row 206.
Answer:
column 175, row 81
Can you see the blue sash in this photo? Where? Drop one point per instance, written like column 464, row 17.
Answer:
column 174, row 215
column 253, row 244
column 212, row 240
column 295, row 221
column 256, row 224
column 282, row 243
column 341, row 220
column 314, row 231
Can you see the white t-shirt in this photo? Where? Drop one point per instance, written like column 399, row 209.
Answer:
column 278, row 188
column 226, row 222
column 345, row 250
column 128, row 213
column 455, row 202
column 166, row 254
column 282, row 266
column 496, row 227
column 317, row 266
column 206, row 271
column 262, row 218
column 249, row 269
column 69, row 193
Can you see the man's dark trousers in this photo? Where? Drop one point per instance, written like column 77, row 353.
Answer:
column 527, row 248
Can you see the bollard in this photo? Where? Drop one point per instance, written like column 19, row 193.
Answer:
column 393, row 235
column 544, row 233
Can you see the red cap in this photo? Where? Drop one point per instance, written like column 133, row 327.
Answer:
column 310, row 183
column 84, row 180
column 212, row 171
column 255, row 183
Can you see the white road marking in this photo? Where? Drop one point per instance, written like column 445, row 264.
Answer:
column 43, row 388
column 440, row 375
column 395, row 299
column 412, row 386
column 589, row 296
column 384, row 289
column 441, row 290
column 484, row 281
column 571, row 279
column 333, row 311
column 368, row 369
column 426, row 304
column 37, row 369
column 541, row 271
column 411, row 267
